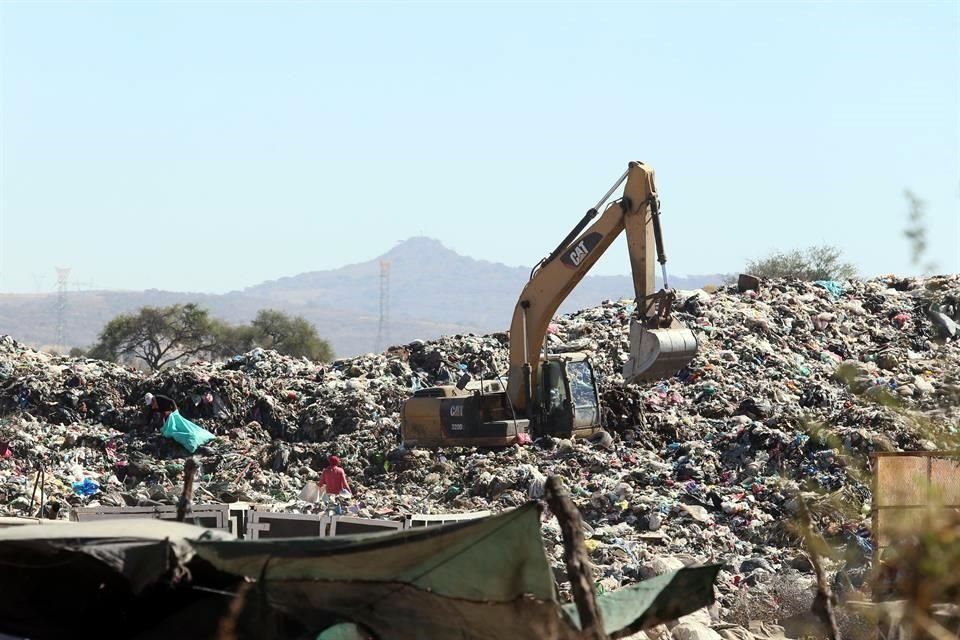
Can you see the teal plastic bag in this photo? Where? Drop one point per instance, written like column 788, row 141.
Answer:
column 835, row 288
column 185, row 432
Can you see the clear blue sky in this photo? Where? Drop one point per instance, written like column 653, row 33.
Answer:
column 211, row 146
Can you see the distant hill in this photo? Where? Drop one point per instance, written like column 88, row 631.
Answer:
column 433, row 291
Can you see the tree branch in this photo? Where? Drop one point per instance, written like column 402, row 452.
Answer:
column 823, row 602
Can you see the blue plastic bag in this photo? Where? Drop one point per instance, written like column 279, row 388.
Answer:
column 185, row 432
column 86, row 488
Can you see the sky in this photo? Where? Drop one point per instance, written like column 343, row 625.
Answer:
column 209, row 146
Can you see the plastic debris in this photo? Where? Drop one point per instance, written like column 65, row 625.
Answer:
column 792, row 386
column 87, row 487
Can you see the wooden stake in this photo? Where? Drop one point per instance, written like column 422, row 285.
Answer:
column 823, row 602
column 189, row 471
column 575, row 555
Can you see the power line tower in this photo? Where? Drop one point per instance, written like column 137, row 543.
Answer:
column 63, row 275
column 383, row 327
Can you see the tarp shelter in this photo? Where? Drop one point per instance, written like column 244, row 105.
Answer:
column 484, row 578
column 106, row 578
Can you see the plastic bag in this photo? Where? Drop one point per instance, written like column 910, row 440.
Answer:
column 87, row 487
column 188, row 434
column 310, row 492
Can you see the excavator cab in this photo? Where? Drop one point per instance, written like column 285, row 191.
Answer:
column 568, row 396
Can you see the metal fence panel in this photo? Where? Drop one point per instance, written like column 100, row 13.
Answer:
column 350, row 525
column 906, row 485
column 432, row 520
column 211, row 516
column 265, row 525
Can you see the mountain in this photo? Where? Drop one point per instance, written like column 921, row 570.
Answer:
column 433, row 291
column 428, row 280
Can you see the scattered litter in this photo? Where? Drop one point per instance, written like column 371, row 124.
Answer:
column 793, row 383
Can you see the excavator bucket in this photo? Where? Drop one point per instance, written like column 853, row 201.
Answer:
column 658, row 353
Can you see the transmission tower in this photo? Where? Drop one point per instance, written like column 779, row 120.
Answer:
column 383, row 327
column 63, row 274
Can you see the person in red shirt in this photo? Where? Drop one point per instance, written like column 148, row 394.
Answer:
column 334, row 478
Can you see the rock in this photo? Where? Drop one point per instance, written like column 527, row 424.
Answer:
column 748, row 283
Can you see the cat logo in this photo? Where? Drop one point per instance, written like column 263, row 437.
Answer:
column 575, row 257
column 456, row 411
column 578, row 254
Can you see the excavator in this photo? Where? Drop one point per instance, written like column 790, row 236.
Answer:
column 556, row 394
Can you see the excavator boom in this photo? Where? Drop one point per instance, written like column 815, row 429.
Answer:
column 556, row 394
column 658, row 347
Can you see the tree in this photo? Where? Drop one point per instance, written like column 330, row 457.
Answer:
column 77, row 352
column 291, row 335
column 157, row 335
column 232, row 339
column 815, row 263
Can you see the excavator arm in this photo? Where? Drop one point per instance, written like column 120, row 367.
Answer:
column 657, row 342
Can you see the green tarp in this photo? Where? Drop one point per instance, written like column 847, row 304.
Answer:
column 479, row 579
column 188, row 434
column 499, row 558
column 653, row 601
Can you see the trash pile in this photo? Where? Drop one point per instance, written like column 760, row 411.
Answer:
column 794, row 385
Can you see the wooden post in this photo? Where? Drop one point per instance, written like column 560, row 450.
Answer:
column 33, row 495
column 189, row 471
column 822, row 606
column 575, row 555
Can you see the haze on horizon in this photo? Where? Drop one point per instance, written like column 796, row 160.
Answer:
column 211, row 146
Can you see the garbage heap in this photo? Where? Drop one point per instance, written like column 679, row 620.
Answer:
column 794, row 385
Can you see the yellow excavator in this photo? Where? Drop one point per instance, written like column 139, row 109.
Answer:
column 556, row 394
